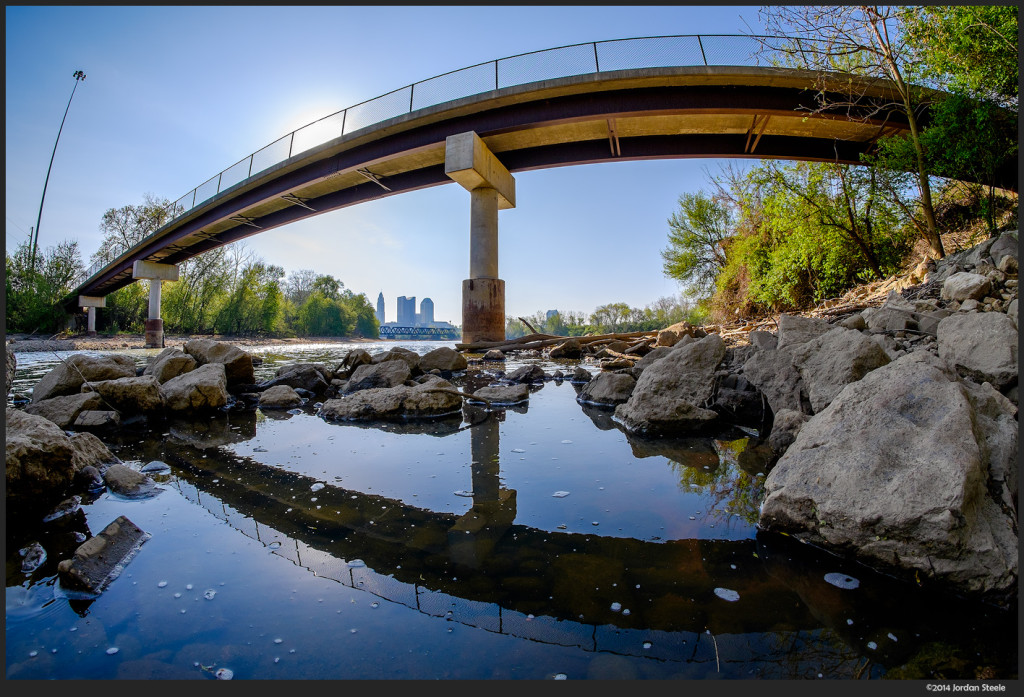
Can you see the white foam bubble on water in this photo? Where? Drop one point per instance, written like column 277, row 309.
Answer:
column 842, row 581
column 560, row 494
column 727, row 594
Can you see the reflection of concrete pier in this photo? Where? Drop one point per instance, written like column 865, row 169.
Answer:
column 474, row 535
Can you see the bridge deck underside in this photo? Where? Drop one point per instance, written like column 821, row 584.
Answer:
column 549, row 126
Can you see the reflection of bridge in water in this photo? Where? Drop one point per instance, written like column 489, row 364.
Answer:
column 394, row 332
column 482, row 570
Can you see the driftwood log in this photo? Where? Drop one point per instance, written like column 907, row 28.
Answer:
column 537, row 341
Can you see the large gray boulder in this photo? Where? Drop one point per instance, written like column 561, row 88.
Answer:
column 314, row 377
column 503, row 395
column 89, row 451
column 527, row 374
column 134, row 395
column 608, row 389
column 431, row 399
column 170, row 363
column 896, row 472
column 773, row 372
column 795, row 330
column 100, row 559
column 410, row 358
column 670, row 394
column 653, row 355
column 279, row 397
column 670, row 336
column 64, row 410
column 39, row 454
column 204, row 388
column 124, row 481
column 966, row 286
column 1003, row 246
column 981, row 345
column 570, row 348
column 67, row 378
column 237, row 363
column 833, row 360
column 388, row 373
column 444, row 359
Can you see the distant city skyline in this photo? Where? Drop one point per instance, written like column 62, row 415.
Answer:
column 406, row 315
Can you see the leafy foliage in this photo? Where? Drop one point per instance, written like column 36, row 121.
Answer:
column 695, row 254
column 34, row 294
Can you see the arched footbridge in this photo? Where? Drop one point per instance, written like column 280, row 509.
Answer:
column 626, row 99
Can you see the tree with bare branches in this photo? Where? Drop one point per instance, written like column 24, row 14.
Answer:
column 868, row 42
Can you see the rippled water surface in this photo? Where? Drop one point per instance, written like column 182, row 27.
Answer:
column 536, row 542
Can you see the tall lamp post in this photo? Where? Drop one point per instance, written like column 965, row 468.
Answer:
column 79, row 75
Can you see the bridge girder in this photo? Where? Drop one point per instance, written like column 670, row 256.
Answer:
column 664, row 113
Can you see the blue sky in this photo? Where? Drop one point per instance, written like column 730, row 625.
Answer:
column 173, row 95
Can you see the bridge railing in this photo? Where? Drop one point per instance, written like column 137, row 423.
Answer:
column 547, row 64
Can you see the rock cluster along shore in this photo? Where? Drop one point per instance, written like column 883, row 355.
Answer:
column 891, row 432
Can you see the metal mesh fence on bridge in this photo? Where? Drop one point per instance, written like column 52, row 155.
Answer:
column 548, row 64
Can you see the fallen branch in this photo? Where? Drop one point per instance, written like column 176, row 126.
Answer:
column 528, row 325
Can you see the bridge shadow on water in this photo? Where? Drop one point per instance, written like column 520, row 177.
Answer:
column 756, row 607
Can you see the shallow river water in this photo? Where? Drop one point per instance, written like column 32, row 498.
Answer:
column 537, row 542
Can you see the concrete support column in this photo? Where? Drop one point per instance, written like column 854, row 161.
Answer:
column 157, row 274
column 470, row 162
column 90, row 303
column 483, row 233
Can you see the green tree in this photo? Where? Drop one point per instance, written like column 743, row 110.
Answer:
column 254, row 302
column 609, row 317
column 970, row 49
column 872, row 43
column 697, row 232
column 190, row 302
column 126, row 226
column 33, row 294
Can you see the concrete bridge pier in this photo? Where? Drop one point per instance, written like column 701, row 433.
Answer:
column 90, row 303
column 470, row 162
column 156, row 274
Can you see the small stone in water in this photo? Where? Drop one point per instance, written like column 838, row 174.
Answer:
column 560, row 494
column 33, row 654
column 177, row 595
column 112, row 650
column 278, row 640
column 727, row 594
column 209, row 594
column 849, row 621
column 842, row 581
column 162, row 584
column 224, row 674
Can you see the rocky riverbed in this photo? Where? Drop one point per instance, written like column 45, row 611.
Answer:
column 889, row 434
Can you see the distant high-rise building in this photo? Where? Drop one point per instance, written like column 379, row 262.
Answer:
column 380, row 308
column 407, row 311
column 426, row 317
